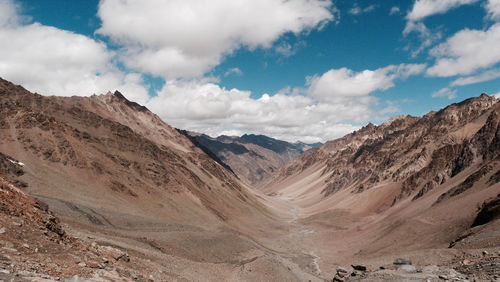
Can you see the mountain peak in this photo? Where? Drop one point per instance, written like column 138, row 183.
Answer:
column 119, row 96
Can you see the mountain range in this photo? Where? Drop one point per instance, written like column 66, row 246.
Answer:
column 253, row 158
column 100, row 187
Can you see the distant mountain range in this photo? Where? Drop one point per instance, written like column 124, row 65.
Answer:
column 253, row 158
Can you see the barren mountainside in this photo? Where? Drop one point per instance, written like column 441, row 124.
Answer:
column 409, row 184
column 101, row 188
column 118, row 176
column 417, row 153
column 253, row 158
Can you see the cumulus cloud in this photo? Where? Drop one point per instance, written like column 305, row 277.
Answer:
column 357, row 10
column 209, row 108
column 485, row 76
column 445, row 92
column 329, row 107
column 466, row 52
column 53, row 61
column 57, row 62
column 422, row 9
column 347, row 83
column 493, row 9
column 185, row 39
column 9, row 13
column 425, row 8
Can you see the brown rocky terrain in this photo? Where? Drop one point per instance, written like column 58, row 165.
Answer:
column 411, row 186
column 99, row 188
column 117, row 176
column 253, row 158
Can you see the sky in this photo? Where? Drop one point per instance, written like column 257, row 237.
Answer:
column 308, row 70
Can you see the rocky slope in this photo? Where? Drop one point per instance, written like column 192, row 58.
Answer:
column 100, row 187
column 417, row 153
column 410, row 185
column 117, row 176
column 253, row 158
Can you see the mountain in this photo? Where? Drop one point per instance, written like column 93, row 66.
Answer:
column 122, row 181
column 101, row 188
column 253, row 158
column 409, row 184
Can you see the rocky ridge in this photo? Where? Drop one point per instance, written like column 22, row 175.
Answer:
column 253, row 158
column 418, row 153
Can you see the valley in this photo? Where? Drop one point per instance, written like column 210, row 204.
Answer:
column 140, row 200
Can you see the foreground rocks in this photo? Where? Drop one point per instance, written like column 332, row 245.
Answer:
column 35, row 247
column 481, row 267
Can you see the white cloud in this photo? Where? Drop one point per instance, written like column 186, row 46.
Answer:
column 356, row 10
column 496, row 95
column 57, row 62
column 466, row 52
column 188, row 38
column 327, row 109
column 347, row 83
column 394, row 10
column 233, row 71
column 426, row 36
column 485, row 76
column 8, row 13
column 493, row 9
column 206, row 107
column 445, row 92
column 425, row 8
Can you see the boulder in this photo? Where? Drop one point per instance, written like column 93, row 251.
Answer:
column 402, row 261
column 359, row 267
column 340, row 269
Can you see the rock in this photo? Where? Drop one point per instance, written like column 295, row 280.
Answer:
column 82, row 264
column 402, row 261
column 356, row 273
column 2, row 230
column 466, row 262
column 337, row 278
column 485, row 253
column 93, row 264
column 4, row 271
column 94, row 245
column 74, row 279
column 359, row 267
column 114, row 253
column 133, row 275
column 340, row 269
column 408, row 268
column 443, row 277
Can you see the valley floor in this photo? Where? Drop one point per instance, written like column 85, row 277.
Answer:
column 297, row 247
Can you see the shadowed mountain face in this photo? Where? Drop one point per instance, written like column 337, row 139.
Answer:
column 253, row 158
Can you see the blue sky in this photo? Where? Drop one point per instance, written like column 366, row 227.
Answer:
column 295, row 70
